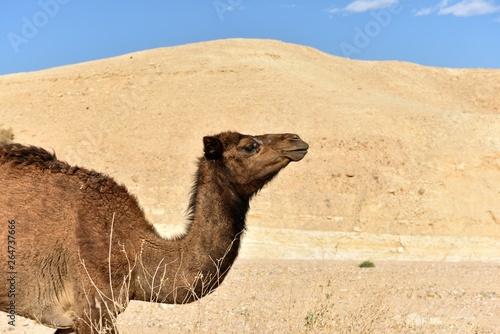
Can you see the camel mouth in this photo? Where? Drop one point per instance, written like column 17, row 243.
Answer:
column 298, row 152
column 295, row 155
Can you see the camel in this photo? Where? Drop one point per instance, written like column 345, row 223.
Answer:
column 80, row 246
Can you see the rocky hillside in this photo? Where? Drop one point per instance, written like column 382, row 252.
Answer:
column 396, row 148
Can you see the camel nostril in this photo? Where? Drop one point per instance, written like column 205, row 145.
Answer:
column 294, row 137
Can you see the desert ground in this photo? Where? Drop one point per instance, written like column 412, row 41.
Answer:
column 286, row 296
column 403, row 170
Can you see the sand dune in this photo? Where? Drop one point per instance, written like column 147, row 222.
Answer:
column 396, row 148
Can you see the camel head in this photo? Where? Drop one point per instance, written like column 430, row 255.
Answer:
column 252, row 161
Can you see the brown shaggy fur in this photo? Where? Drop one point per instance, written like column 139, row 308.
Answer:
column 84, row 249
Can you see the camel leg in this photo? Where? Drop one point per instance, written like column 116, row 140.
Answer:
column 82, row 328
column 71, row 331
column 104, row 327
column 64, row 331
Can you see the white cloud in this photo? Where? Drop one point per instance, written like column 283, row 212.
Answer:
column 333, row 10
column 424, row 11
column 443, row 3
column 470, row 8
column 429, row 10
column 289, row 6
column 462, row 8
column 360, row 6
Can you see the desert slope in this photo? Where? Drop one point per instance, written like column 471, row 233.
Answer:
column 396, row 148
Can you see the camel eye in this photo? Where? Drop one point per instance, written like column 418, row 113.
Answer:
column 249, row 149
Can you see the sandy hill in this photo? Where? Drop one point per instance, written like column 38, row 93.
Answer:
column 396, row 148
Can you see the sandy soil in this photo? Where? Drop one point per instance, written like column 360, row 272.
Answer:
column 277, row 296
column 403, row 169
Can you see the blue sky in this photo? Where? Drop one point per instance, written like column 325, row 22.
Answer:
column 39, row 34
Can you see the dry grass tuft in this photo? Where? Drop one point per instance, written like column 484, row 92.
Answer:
column 111, row 304
column 6, row 135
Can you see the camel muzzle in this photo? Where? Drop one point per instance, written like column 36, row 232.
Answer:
column 298, row 150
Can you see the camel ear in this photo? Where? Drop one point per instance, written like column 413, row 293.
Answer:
column 212, row 147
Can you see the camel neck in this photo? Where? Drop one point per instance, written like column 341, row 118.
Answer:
column 199, row 260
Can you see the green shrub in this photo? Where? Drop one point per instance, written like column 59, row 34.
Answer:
column 366, row 264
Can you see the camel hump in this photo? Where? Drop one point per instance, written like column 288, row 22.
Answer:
column 21, row 155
